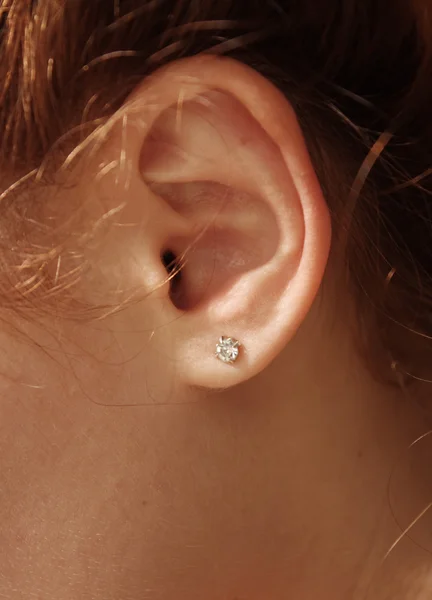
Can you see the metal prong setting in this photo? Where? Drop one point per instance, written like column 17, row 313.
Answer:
column 227, row 349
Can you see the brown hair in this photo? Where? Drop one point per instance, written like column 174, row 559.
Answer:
column 358, row 73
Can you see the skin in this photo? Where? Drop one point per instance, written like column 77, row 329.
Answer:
column 137, row 466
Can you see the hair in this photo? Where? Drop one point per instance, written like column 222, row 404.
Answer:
column 358, row 73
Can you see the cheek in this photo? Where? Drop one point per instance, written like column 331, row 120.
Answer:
column 122, row 360
column 119, row 339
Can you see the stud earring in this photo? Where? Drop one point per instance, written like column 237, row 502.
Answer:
column 227, row 349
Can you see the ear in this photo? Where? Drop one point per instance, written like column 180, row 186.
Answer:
column 216, row 152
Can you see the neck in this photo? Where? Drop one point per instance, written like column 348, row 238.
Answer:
column 360, row 482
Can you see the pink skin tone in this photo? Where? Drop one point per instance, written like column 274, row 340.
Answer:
column 137, row 466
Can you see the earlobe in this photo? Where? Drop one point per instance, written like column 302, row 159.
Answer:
column 229, row 160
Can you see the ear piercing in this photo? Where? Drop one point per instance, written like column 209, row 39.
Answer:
column 227, row 349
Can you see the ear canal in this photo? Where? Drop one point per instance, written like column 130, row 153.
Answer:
column 197, row 166
column 221, row 200
column 226, row 241
column 173, row 268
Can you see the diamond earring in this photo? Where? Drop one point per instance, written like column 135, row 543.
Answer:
column 227, row 349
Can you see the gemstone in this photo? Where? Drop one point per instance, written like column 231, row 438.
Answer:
column 227, row 349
